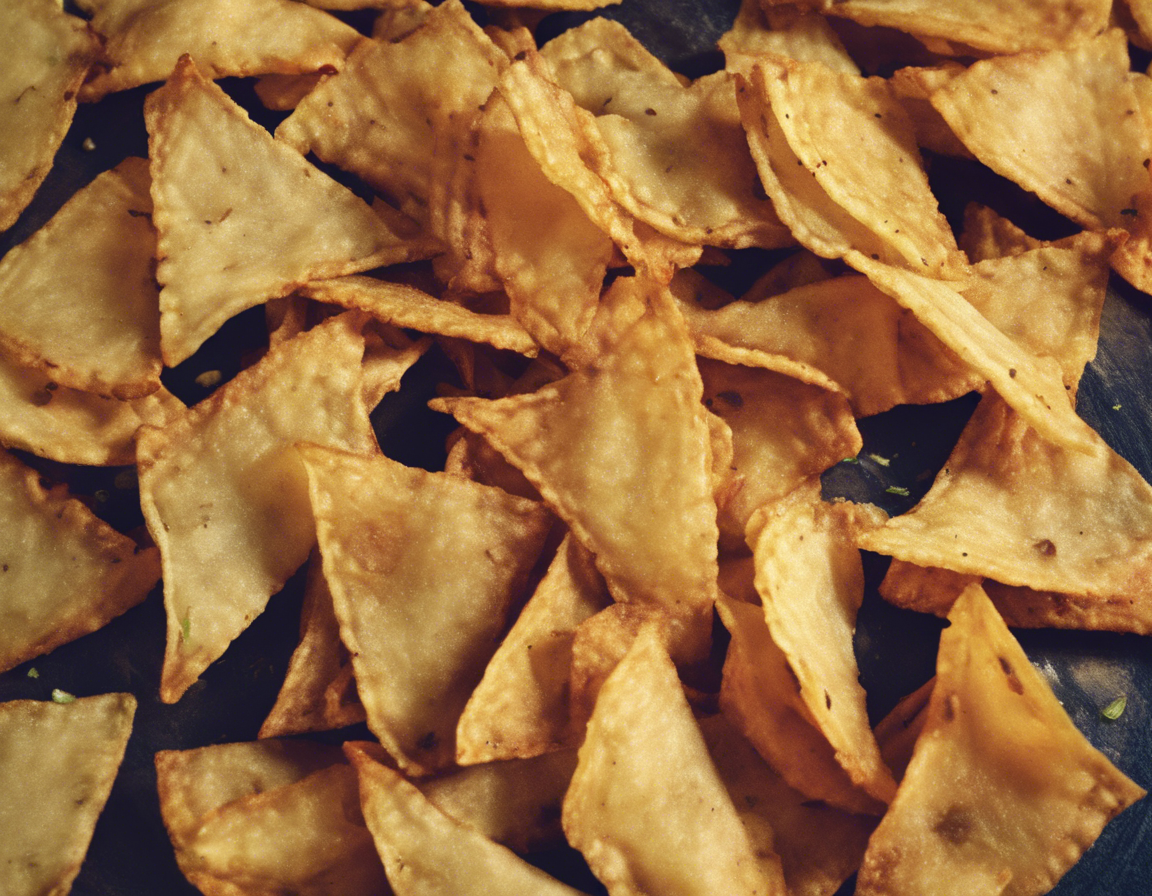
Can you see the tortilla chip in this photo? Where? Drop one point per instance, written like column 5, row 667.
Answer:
column 817, row 176
column 976, row 812
column 424, row 569
column 646, row 805
column 59, row 765
column 46, row 55
column 408, row 307
column 425, row 851
column 811, row 582
column 49, row 420
column 77, row 299
column 319, row 692
column 1024, row 512
column 520, row 707
column 620, row 450
column 988, row 25
column 225, row 497
column 143, row 39
column 819, row 846
column 64, row 572
column 808, row 37
column 242, row 218
column 382, row 115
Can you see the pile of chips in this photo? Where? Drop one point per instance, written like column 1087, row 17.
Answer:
column 621, row 617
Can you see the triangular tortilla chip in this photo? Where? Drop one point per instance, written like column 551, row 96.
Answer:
column 811, row 580
column 976, row 811
column 143, row 39
column 646, row 805
column 226, row 498
column 621, row 451
column 77, row 299
column 424, row 569
column 808, row 37
column 46, row 54
column 59, row 765
column 64, row 572
column 242, row 218
column 520, row 707
column 426, row 852
column 319, row 692
column 1010, row 506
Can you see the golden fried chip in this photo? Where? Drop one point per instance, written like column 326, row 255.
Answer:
column 192, row 784
column 73, row 427
column 844, row 328
column 990, row 25
column 406, row 306
column 1013, row 507
column 857, row 186
column 913, row 86
column 514, row 802
column 1066, row 125
column 283, row 93
column 550, row 257
column 424, row 569
column 381, row 116
column 1031, row 384
column 426, row 852
column 620, row 450
column 520, row 707
column 976, row 813
column 77, row 299
column 306, row 837
column 760, row 695
column 898, row 731
column 819, row 846
column 672, row 155
column 226, row 498
column 242, row 218
column 808, row 37
column 646, row 805
column 59, row 765
column 811, row 582
column 65, row 572
column 46, row 54
column 143, row 39
column 473, row 458
column 319, row 692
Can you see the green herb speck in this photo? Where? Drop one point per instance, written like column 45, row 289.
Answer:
column 897, row 490
column 59, row 696
column 1115, row 709
column 32, row 673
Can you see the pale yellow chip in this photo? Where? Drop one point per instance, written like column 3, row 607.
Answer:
column 242, row 218
column 59, row 765
column 319, row 691
column 426, row 852
column 858, row 186
column 382, row 115
column 143, row 39
column 550, row 257
column 424, row 569
column 1033, row 385
column 760, row 694
column 646, row 806
column 1013, row 507
column 807, row 37
column 73, row 427
column 306, row 837
column 811, row 580
column 976, row 812
column 192, row 784
column 621, row 452
column 408, row 307
column 78, row 300
column 1066, row 125
column 819, row 846
column 672, row 155
column 845, row 328
column 65, row 572
column 913, row 86
column 993, row 26
column 520, row 707
column 46, row 54
column 226, row 498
